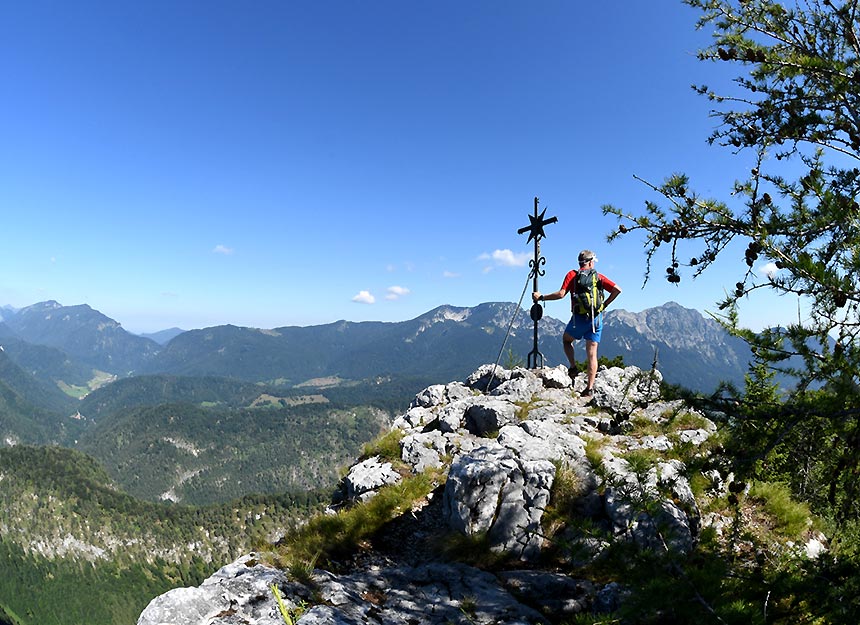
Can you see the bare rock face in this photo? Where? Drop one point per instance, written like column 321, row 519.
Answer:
column 368, row 476
column 492, row 491
column 506, row 450
column 238, row 593
column 431, row 594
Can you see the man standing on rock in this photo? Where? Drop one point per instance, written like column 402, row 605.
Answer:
column 587, row 304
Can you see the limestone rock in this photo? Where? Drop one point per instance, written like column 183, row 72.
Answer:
column 487, row 376
column 621, row 390
column 555, row 377
column 239, row 592
column 489, row 415
column 492, row 491
column 366, row 477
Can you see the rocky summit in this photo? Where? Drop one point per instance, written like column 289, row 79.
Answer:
column 548, row 482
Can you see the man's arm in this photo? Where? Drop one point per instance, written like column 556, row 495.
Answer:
column 537, row 295
column 615, row 292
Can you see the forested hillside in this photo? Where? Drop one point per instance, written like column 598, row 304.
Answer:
column 199, row 455
column 66, row 527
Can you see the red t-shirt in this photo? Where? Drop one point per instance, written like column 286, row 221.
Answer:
column 570, row 279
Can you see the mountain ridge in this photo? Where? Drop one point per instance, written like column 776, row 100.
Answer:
column 446, row 342
column 84, row 334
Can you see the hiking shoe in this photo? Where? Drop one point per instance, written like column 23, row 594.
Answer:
column 572, row 371
column 589, row 392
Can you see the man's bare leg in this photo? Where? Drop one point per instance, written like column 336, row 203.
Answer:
column 567, row 344
column 591, row 357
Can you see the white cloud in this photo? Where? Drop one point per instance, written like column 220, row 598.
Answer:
column 396, row 292
column 507, row 258
column 222, row 249
column 769, row 269
column 450, row 274
column 364, row 297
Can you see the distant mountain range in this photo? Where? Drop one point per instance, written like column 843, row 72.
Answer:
column 163, row 337
column 84, row 335
column 208, row 400
column 77, row 347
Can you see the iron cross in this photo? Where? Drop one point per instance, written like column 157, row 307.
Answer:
column 536, row 232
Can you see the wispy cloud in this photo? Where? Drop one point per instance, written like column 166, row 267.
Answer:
column 396, row 292
column 769, row 269
column 364, row 297
column 506, row 258
column 222, row 249
column 450, row 274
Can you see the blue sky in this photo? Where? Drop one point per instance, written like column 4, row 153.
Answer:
column 280, row 163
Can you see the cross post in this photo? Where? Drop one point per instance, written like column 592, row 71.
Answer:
column 535, row 230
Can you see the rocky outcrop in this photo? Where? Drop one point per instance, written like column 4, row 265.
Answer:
column 513, row 443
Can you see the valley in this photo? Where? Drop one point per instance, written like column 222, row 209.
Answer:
column 133, row 467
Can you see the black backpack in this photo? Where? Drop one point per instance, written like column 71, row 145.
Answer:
column 587, row 294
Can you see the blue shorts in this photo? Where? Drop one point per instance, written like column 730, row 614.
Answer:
column 580, row 327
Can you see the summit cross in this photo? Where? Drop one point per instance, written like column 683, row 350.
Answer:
column 537, row 221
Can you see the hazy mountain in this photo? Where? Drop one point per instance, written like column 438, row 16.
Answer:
column 446, row 343
column 5, row 331
column 84, row 334
column 449, row 342
column 163, row 337
column 691, row 350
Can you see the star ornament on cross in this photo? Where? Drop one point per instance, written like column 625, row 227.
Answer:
column 536, row 224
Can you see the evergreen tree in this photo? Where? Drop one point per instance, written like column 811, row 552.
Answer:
column 794, row 108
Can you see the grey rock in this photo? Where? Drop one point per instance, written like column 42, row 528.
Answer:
column 489, row 414
column 716, row 484
column 543, row 440
column 487, row 375
column 457, row 390
column 326, row 615
column 238, row 593
column 521, row 387
column 492, row 491
column 367, row 476
column 416, row 416
column 438, row 394
column 453, row 416
column 671, row 475
column 622, row 390
column 609, row 598
column 423, row 450
column 659, row 411
column 554, row 594
column 694, row 437
column 556, row 404
column 429, row 397
column 555, row 377
column 432, row 594
column 499, row 488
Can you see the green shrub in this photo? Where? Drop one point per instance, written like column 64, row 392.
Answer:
column 329, row 535
column 386, row 446
column 790, row 518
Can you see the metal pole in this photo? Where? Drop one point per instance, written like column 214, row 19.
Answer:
column 535, row 229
